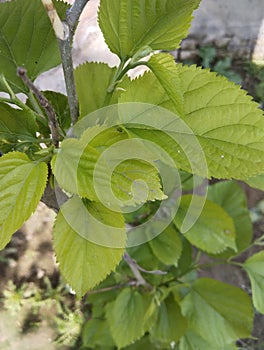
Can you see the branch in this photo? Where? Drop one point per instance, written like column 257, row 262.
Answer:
column 117, row 286
column 64, row 32
column 53, row 122
column 135, row 268
column 58, row 26
column 74, row 13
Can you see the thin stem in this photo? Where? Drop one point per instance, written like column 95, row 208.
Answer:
column 108, row 289
column 34, row 103
column 134, row 268
column 8, row 87
column 67, row 65
column 75, row 12
column 53, row 122
column 64, row 32
column 121, row 71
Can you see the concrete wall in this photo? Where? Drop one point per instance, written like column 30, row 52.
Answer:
column 238, row 24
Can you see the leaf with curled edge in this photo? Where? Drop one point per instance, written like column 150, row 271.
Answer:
column 85, row 168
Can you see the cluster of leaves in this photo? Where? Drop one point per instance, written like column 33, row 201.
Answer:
column 170, row 307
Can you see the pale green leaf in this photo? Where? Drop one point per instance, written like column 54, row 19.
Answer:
column 192, row 341
column 131, row 26
column 129, row 316
column 165, row 70
column 170, row 325
column 218, row 312
column 214, row 229
column 79, row 169
column 73, row 168
column 27, row 39
column 83, row 262
column 167, row 246
column 255, row 270
column 22, row 183
column 16, row 124
column 136, row 181
column 256, row 182
column 225, row 121
column 231, row 197
column 92, row 81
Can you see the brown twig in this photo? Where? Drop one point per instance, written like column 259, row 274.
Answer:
column 53, row 122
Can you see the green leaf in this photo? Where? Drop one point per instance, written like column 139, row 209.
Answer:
column 16, row 124
column 144, row 257
column 167, row 246
column 186, row 258
column 165, row 70
column 96, row 332
column 192, row 341
column 231, row 197
column 213, row 231
column 254, row 267
column 256, row 182
column 225, row 121
column 84, row 263
column 73, row 168
column 170, row 325
column 142, row 344
column 129, row 316
column 218, row 312
column 60, row 104
column 136, row 181
column 92, row 82
column 22, row 183
column 129, row 26
column 78, row 169
column 27, row 39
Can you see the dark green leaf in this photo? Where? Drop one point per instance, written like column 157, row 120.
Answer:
column 213, row 231
column 96, row 332
column 16, row 124
column 60, row 104
column 218, row 312
column 27, row 39
column 231, row 197
column 192, row 341
column 130, row 316
column 255, row 270
column 170, row 325
column 167, row 246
